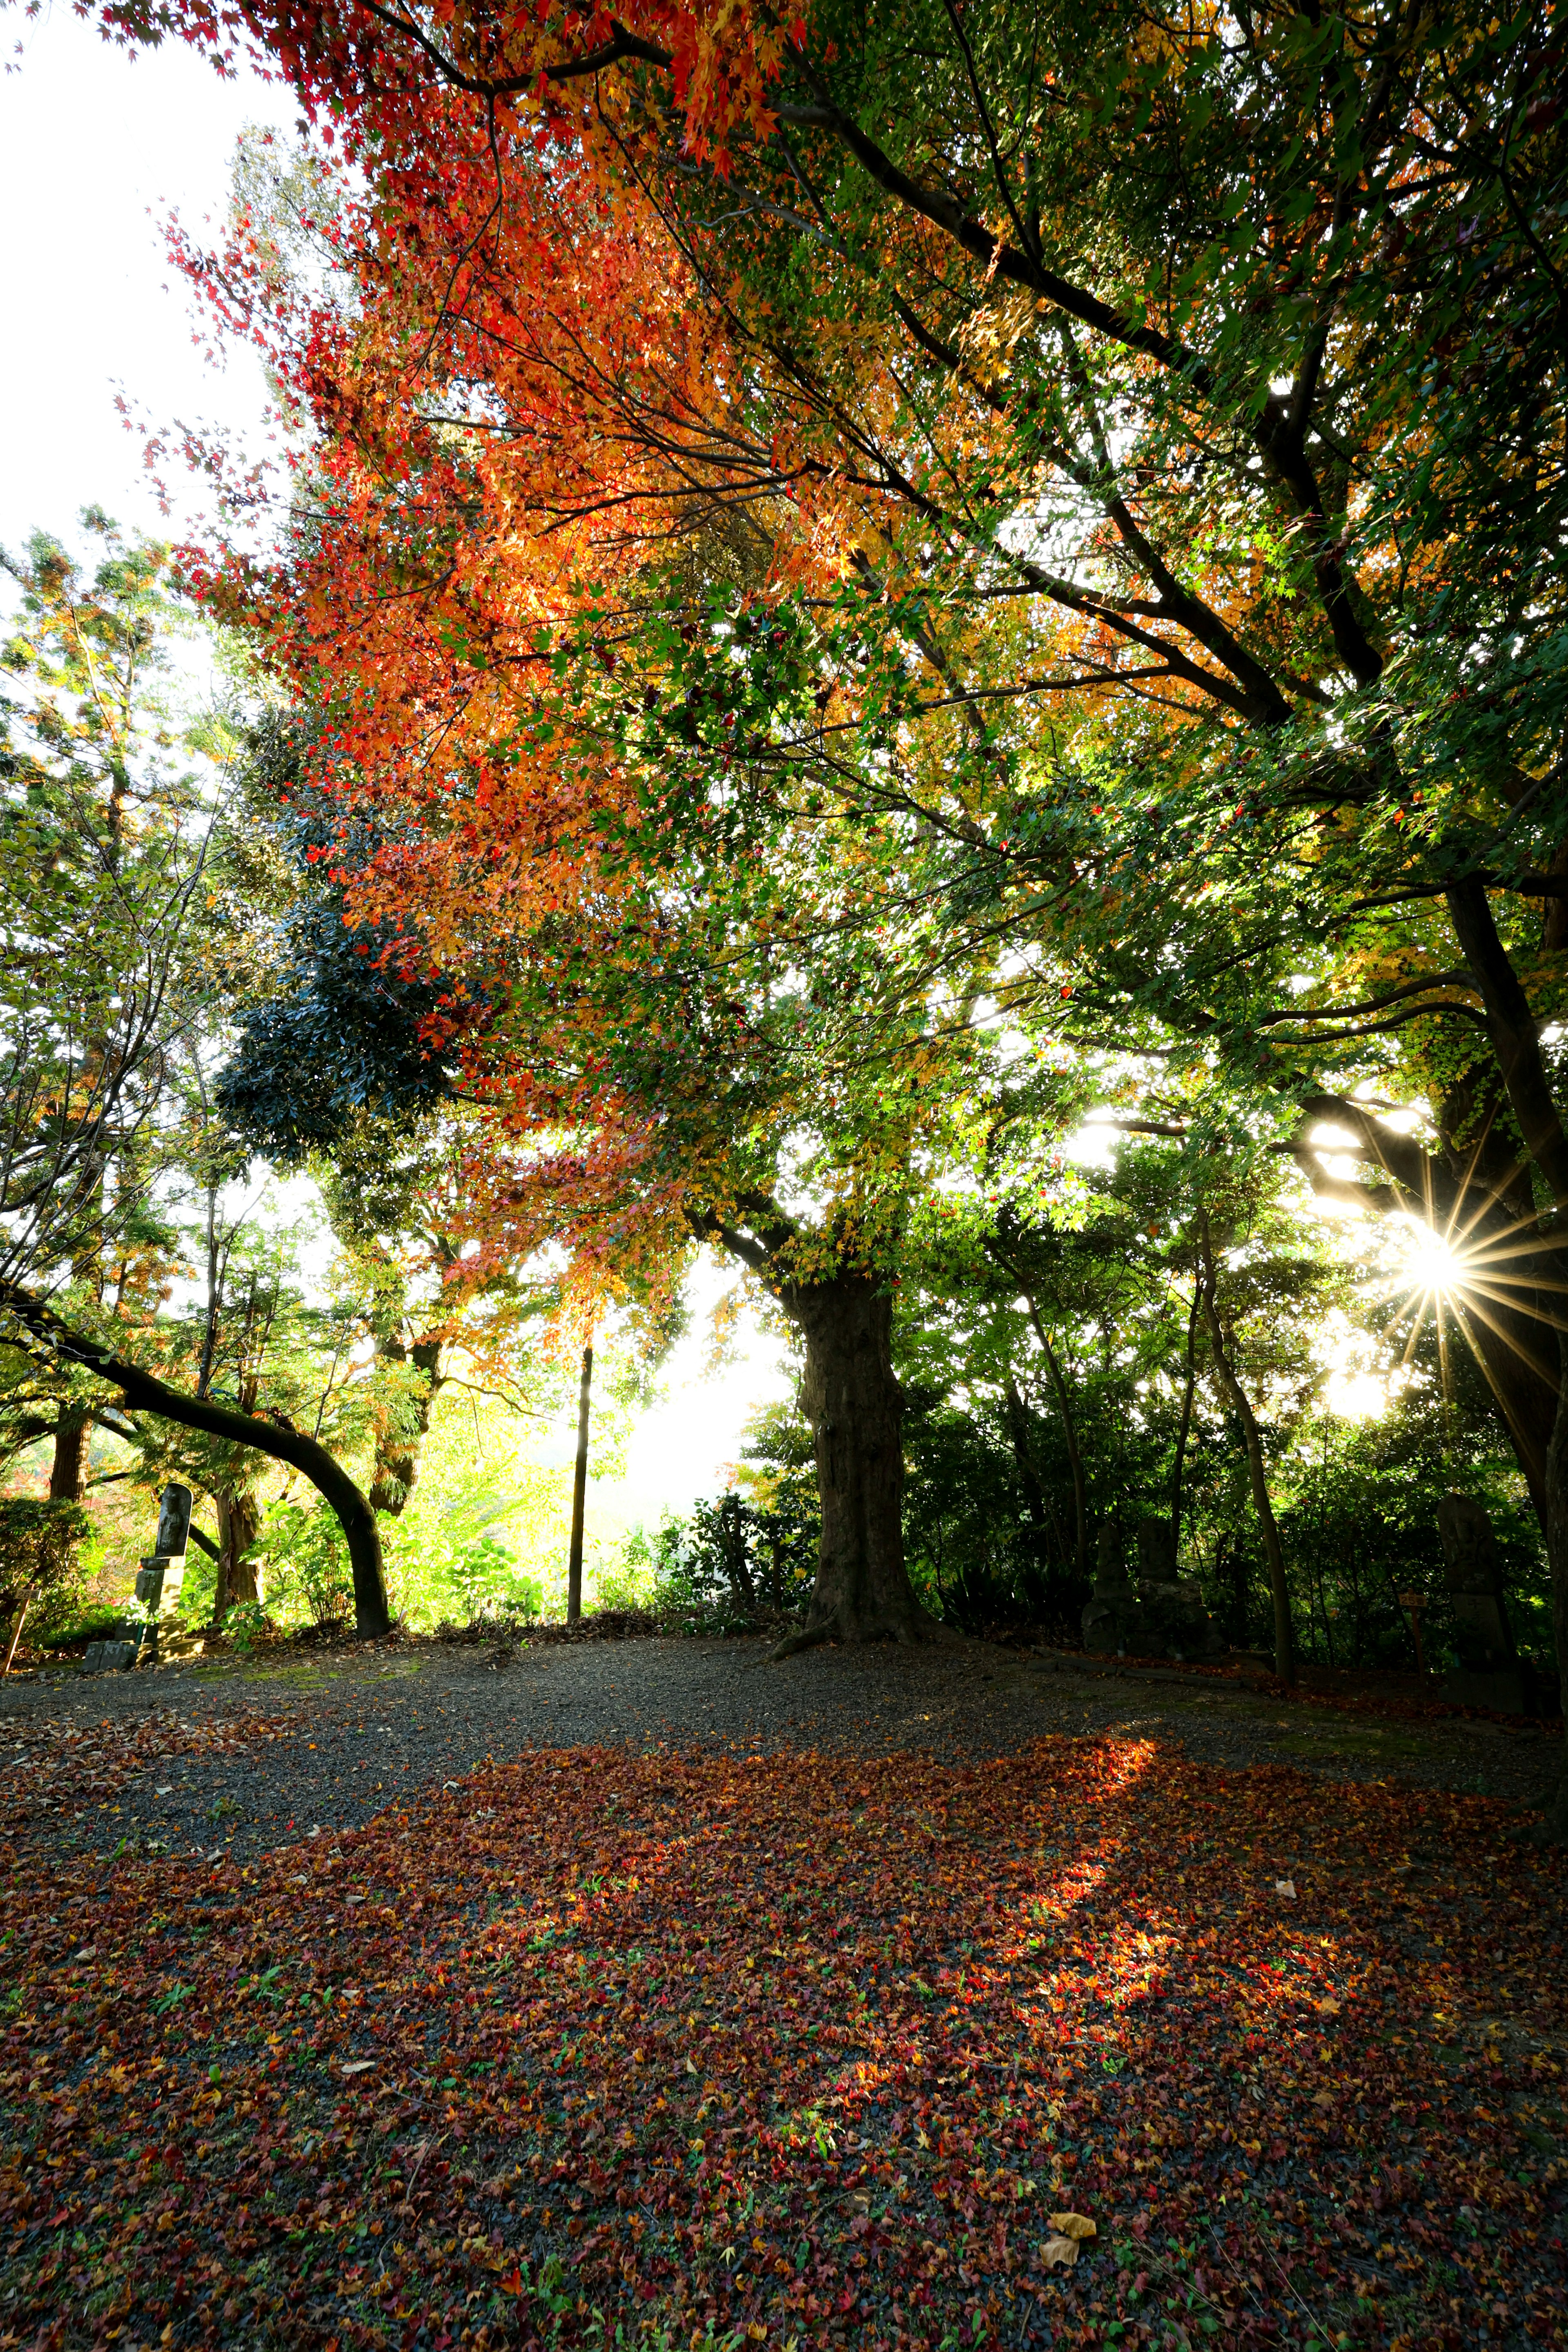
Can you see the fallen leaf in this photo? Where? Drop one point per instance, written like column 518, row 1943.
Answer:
column 1072, row 2225
column 1059, row 2253
column 1285, row 1887
column 357, row 2065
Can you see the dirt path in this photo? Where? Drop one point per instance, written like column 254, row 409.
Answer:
column 347, row 1734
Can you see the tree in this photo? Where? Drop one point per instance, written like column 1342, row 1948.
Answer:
column 1201, row 385
column 109, row 799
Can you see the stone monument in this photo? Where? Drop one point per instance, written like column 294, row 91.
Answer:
column 1488, row 1673
column 1112, row 1621
column 160, row 1575
column 1176, row 1623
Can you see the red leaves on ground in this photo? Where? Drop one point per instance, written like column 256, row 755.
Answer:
column 802, row 2049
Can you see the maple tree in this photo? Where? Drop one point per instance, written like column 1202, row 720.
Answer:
column 1182, row 399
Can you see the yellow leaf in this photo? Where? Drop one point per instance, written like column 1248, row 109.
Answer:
column 1059, row 2253
column 1073, row 2225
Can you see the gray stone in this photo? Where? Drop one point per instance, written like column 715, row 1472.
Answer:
column 1512, row 1692
column 1157, row 1552
column 1482, row 1634
column 110, row 1657
column 1161, row 1616
column 1176, row 1621
column 174, row 1523
column 1112, row 1619
column 158, row 1582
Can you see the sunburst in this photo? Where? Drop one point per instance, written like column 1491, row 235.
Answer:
column 1461, row 1277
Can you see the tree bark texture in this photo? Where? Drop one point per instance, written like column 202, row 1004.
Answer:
column 850, row 1395
column 68, row 1470
column 398, row 1453
column 145, row 1394
column 239, row 1524
column 1557, row 1555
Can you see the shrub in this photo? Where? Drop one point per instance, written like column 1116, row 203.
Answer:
column 40, row 1562
column 306, row 1557
column 448, row 1562
column 731, row 1563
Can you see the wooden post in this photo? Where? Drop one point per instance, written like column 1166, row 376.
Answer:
column 579, row 1497
column 17, row 1631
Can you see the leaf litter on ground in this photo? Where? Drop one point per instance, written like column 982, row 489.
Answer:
column 600, row 2047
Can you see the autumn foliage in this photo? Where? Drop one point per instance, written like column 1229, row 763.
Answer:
column 791, row 2047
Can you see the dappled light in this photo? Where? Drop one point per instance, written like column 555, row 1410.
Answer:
column 587, row 2042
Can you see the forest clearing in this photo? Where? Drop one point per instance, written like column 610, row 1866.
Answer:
column 684, row 2028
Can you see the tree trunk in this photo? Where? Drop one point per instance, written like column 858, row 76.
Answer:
column 1075, row 1456
column 1186, row 1423
column 239, row 1524
column 397, row 1456
column 1557, row 1556
column 1028, row 1477
column 68, row 1470
column 143, row 1392
column 579, row 1495
column 850, row 1396
column 1267, row 1526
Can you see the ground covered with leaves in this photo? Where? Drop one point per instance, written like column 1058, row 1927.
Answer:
column 599, row 2046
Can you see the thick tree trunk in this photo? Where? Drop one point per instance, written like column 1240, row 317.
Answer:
column 238, row 1524
column 68, row 1470
column 1557, row 1556
column 851, row 1397
column 144, row 1392
column 397, row 1456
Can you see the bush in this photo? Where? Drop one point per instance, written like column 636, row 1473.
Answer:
column 40, row 1561
column 306, row 1558
column 450, row 1562
column 732, row 1563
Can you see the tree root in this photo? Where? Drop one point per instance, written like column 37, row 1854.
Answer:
column 907, row 1633
column 804, row 1637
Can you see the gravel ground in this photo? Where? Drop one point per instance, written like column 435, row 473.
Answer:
column 353, row 1732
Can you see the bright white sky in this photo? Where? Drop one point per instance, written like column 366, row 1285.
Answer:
column 97, row 149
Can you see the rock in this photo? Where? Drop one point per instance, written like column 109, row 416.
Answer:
column 1157, row 1552
column 1161, row 1616
column 108, row 1657
column 1488, row 1673
column 1112, row 1619
column 1176, row 1621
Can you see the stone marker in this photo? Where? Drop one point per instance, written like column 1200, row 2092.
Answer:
column 106, row 1657
column 1157, row 1552
column 1488, row 1673
column 1161, row 1616
column 160, row 1577
column 1174, row 1617
column 158, row 1582
column 1111, row 1619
